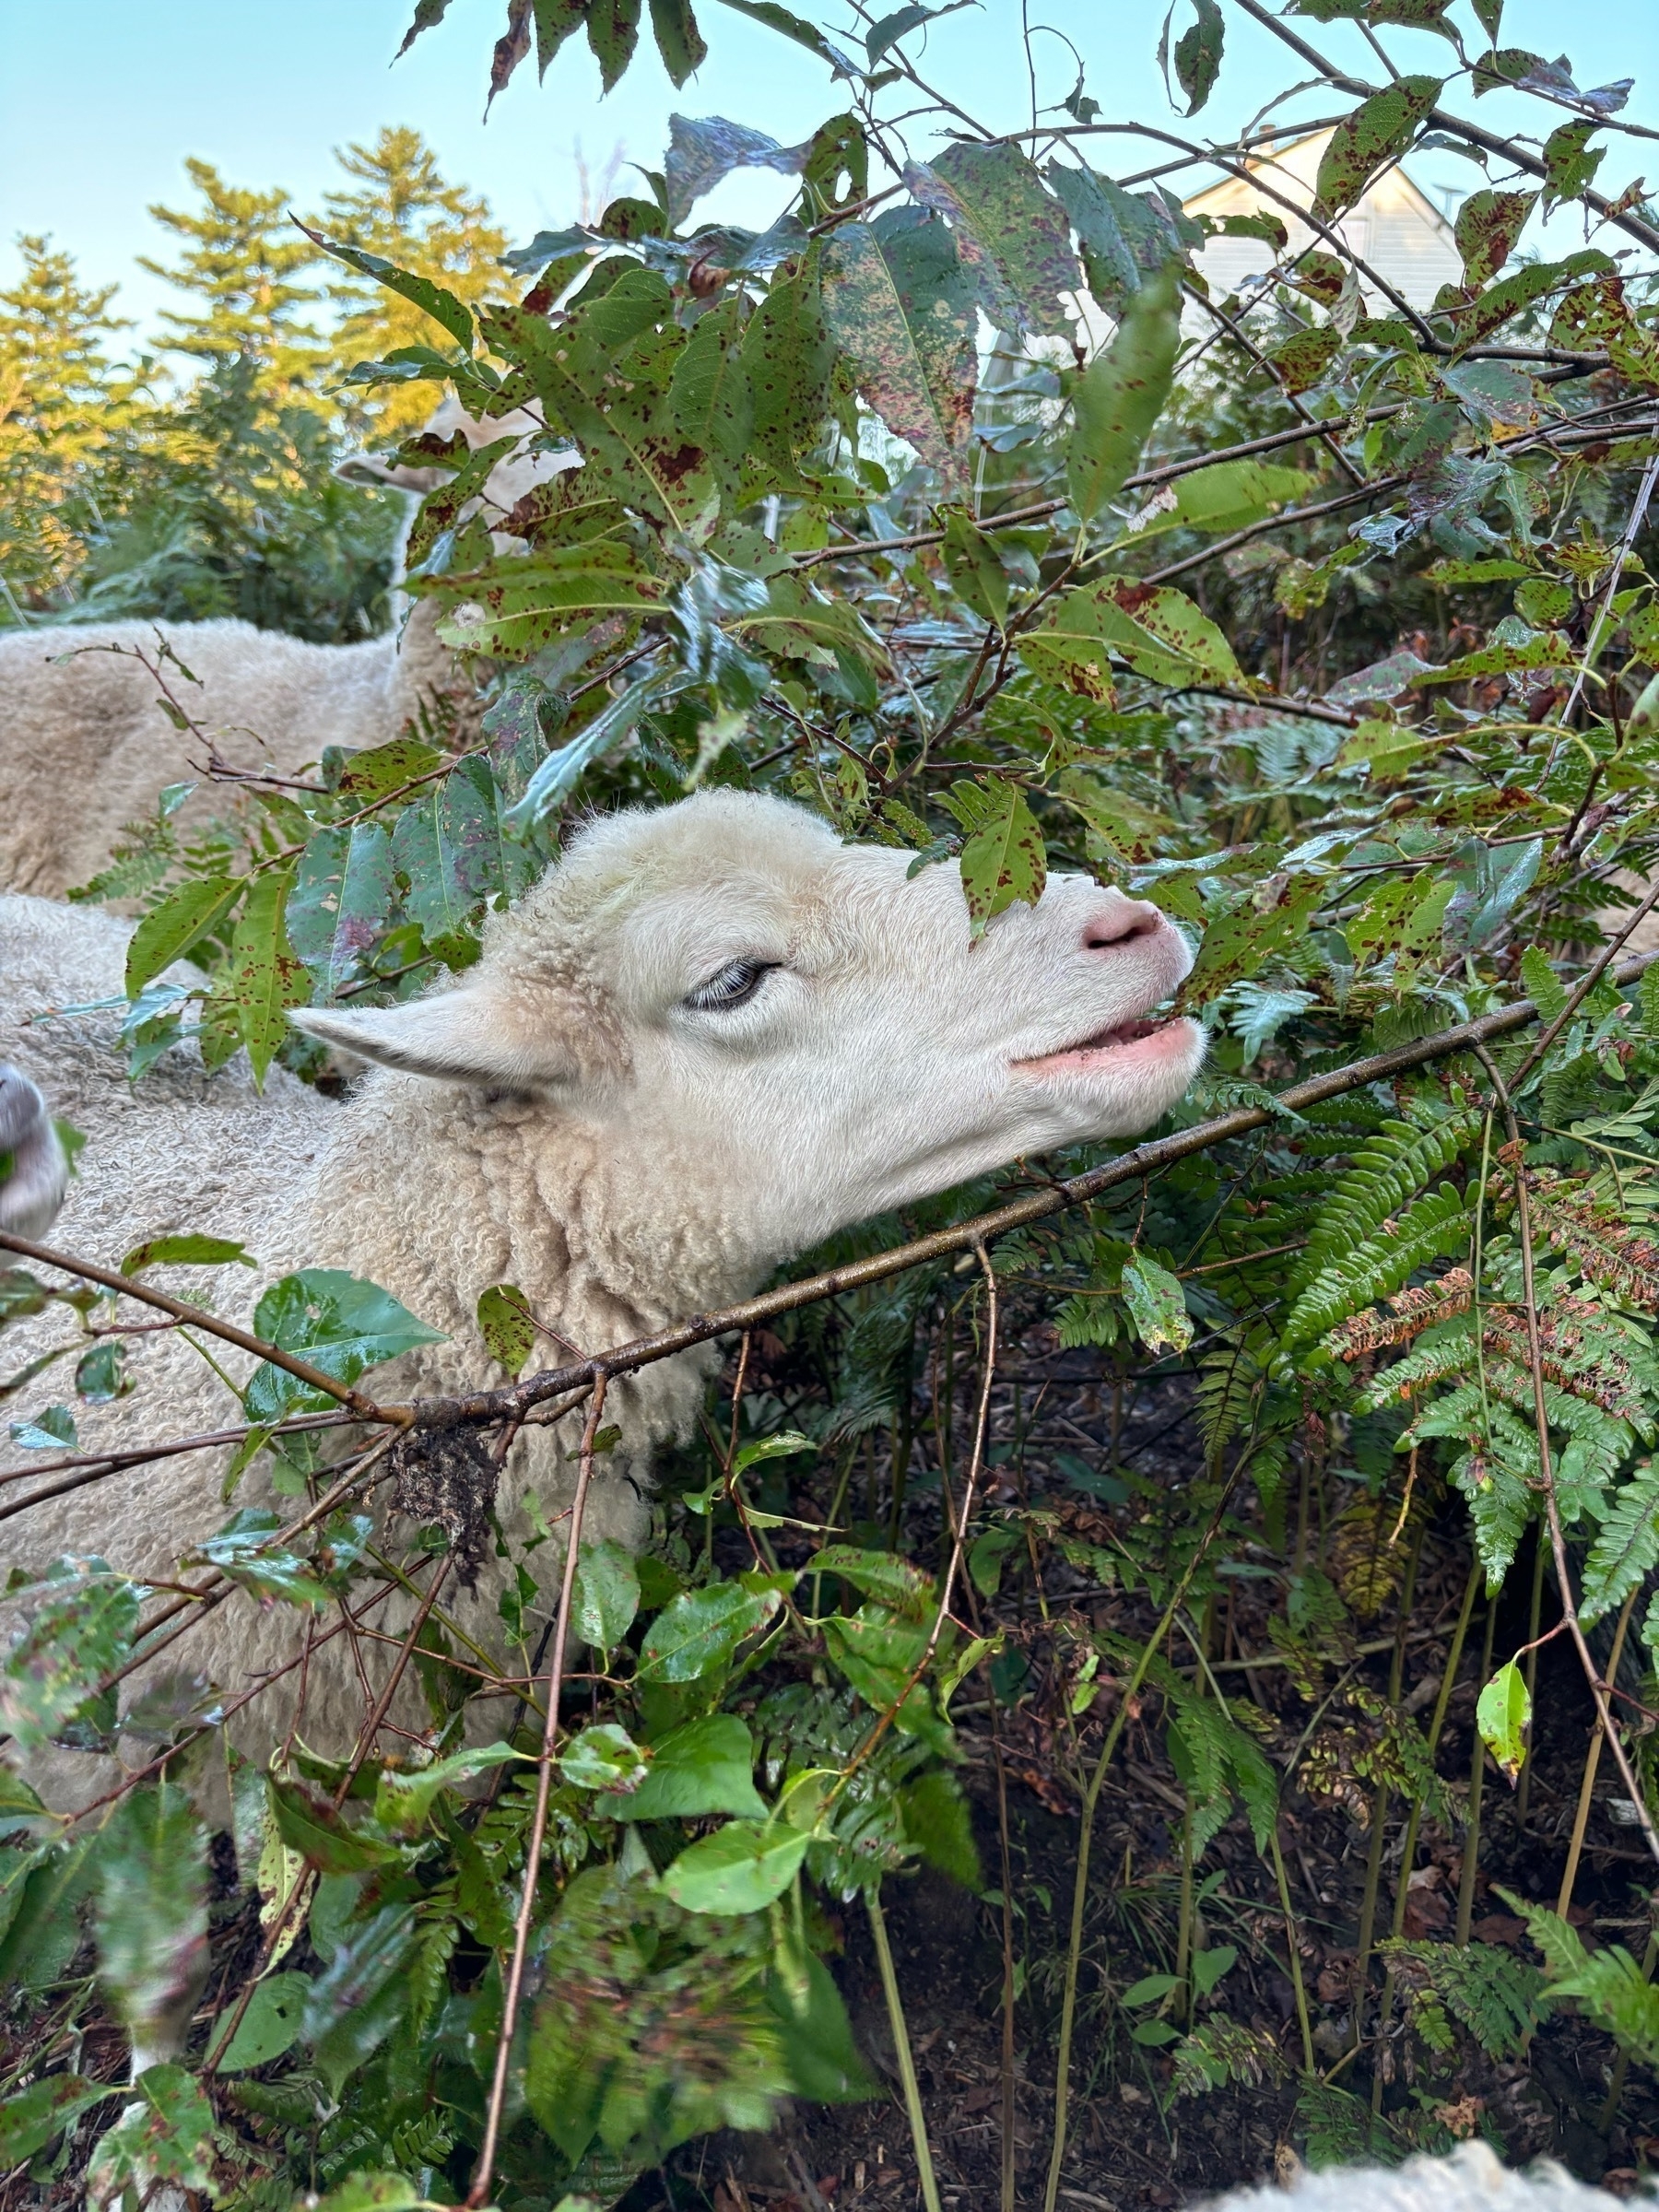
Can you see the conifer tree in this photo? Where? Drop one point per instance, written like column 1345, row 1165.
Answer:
column 242, row 267
column 62, row 404
column 400, row 205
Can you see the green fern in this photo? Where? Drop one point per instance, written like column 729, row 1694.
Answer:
column 1387, row 1172
column 1609, row 1983
column 1496, row 1997
column 1359, row 1271
column 1626, row 1546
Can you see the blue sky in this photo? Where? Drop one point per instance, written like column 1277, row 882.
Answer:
column 100, row 103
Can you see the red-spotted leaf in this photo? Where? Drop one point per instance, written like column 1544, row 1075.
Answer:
column 1489, row 224
column 1375, row 133
column 1012, row 236
column 898, row 300
column 267, row 976
column 1004, row 858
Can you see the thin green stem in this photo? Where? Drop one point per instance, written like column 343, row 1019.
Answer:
column 907, row 2065
column 1471, row 1853
column 1290, row 1947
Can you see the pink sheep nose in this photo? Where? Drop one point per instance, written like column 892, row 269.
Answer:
column 1116, row 924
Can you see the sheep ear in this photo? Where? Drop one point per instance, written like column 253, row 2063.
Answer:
column 471, row 1035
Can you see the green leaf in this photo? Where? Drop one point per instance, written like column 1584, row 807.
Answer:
column 1375, row 133
column 1155, row 1300
column 48, row 1431
column 243, row 1550
column 506, row 1326
column 1569, row 165
column 431, row 299
column 164, row 2135
column 378, row 2192
column 153, row 1910
column 712, row 405
column 818, row 2045
column 786, row 1444
column 335, row 1321
column 782, row 19
column 1238, row 945
column 1489, row 225
column 1120, row 394
column 897, row 301
column 700, row 1631
column 30, row 2119
column 1302, row 360
column 1003, row 860
column 1012, row 237
column 707, row 1765
column 184, row 1252
column 514, row 608
column 1209, row 1965
column 1197, row 52
column 404, row 1797
column 1151, row 1989
column 1226, row 497
column 1156, row 629
column 680, row 41
column 307, row 1823
column 607, row 1593
column 344, row 899
column 977, row 574
column 270, row 2025
column 1502, row 1715
column 81, row 1627
column 740, row 1868
column 603, row 1758
column 361, row 1995
column 898, row 1584
column 267, row 975
column 1512, row 296
column 183, row 918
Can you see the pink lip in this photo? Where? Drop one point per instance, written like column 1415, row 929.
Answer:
column 1142, row 1037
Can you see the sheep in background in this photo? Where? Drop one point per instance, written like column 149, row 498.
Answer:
column 85, row 748
column 1470, row 2180
column 709, row 1038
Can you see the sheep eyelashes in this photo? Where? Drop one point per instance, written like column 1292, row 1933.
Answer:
column 34, row 1172
column 582, row 1117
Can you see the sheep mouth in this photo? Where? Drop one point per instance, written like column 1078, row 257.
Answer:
column 1101, row 1047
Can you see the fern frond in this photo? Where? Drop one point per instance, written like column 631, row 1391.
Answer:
column 1609, row 1983
column 1414, row 1310
column 1626, row 1547
column 1495, row 1995
column 1387, row 1172
column 1593, row 1230
column 1228, row 1380
column 1360, row 1271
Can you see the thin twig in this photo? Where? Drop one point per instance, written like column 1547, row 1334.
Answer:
column 479, row 2193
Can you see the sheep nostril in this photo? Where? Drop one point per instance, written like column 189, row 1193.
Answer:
column 1103, row 931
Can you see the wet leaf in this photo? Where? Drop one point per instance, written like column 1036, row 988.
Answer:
column 898, row 1584
column 270, row 2025
column 1158, row 1303
column 1119, row 397
column 307, row 1823
column 1375, row 133
column 1013, row 239
column 698, row 1631
column 898, row 300
column 740, row 1868
column 1504, row 1714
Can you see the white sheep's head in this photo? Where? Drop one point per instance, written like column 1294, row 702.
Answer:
column 731, row 995
column 34, row 1172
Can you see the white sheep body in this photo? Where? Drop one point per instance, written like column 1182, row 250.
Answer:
column 1470, row 2180
column 623, row 1153
column 86, row 748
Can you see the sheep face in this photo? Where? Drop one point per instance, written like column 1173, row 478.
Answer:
column 791, row 1033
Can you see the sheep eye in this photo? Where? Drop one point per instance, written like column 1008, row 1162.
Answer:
column 733, row 985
